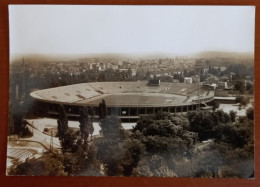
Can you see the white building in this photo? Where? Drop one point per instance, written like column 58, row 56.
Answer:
column 188, row 80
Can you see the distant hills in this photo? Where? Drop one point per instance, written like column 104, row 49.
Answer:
column 68, row 57
column 220, row 54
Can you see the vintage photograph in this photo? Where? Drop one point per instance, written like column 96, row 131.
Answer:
column 139, row 91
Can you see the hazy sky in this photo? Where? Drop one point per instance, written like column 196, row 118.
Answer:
column 130, row 29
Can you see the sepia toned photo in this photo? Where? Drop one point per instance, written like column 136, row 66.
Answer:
column 134, row 91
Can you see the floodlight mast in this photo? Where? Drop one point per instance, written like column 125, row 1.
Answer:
column 51, row 142
column 23, row 83
column 199, row 89
column 198, row 66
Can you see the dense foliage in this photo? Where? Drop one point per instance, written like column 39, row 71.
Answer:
column 167, row 142
column 48, row 165
column 199, row 144
column 118, row 151
column 234, row 142
column 78, row 155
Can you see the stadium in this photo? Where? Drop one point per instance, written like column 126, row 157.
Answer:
column 128, row 100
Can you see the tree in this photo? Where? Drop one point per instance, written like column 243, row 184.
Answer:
column 70, row 141
column 249, row 86
column 135, row 149
column 250, row 113
column 153, row 165
column 215, row 105
column 165, row 135
column 62, row 123
column 239, row 85
column 10, row 123
column 233, row 115
column 242, row 100
column 118, row 151
column 91, row 127
column 19, row 126
column 166, row 140
column 110, row 148
column 84, row 121
column 237, row 134
column 77, row 156
column 111, row 127
column 102, row 109
column 48, row 165
column 201, row 123
column 207, row 124
column 81, row 160
column 16, row 123
column 147, row 75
